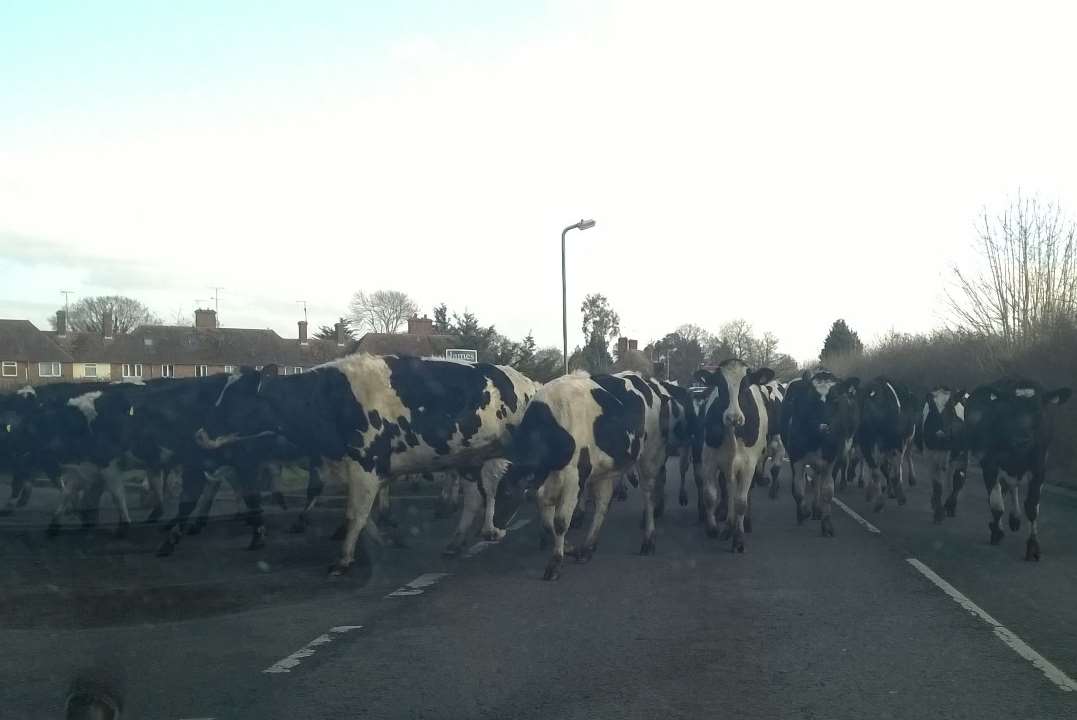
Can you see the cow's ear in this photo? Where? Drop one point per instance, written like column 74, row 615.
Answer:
column 1057, row 397
column 761, row 376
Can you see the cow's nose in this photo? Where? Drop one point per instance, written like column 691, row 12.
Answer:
column 734, row 419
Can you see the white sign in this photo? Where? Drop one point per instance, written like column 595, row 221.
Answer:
column 459, row 354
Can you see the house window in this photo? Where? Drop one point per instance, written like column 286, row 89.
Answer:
column 9, row 368
column 132, row 371
column 229, row 369
column 297, row 370
column 202, row 371
column 89, row 370
column 168, row 371
column 48, row 369
column 148, row 342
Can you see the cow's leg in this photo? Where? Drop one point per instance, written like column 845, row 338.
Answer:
column 874, row 492
column 938, row 466
column 1032, row 512
column 113, row 478
column 557, row 498
column 958, row 481
column 315, row 487
column 659, row 499
column 67, row 499
column 194, row 480
column 684, row 459
column 450, row 496
column 489, row 480
column 363, row 486
column 709, row 473
column 155, row 478
column 1015, row 504
column 276, row 491
column 740, row 483
column 205, row 503
column 90, row 504
column 468, row 513
column 255, row 518
column 994, row 501
column 897, row 469
column 799, row 470
column 776, row 470
column 650, row 512
column 907, row 452
column 824, row 492
column 601, row 489
column 620, row 487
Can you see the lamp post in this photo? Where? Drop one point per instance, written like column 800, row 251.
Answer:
column 581, row 225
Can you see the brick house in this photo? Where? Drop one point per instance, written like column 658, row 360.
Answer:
column 29, row 356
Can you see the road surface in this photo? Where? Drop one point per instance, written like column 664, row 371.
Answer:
column 910, row 620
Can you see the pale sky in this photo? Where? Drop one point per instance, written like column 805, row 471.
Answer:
column 788, row 163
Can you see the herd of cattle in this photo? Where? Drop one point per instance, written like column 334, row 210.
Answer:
column 365, row 419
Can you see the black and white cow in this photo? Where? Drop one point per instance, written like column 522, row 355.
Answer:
column 820, row 417
column 730, row 444
column 889, row 415
column 941, row 437
column 773, row 396
column 581, row 432
column 372, row 417
column 1009, row 427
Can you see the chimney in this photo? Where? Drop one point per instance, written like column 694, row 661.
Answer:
column 61, row 322
column 622, row 346
column 420, row 325
column 205, row 319
column 633, row 344
column 340, row 328
column 107, row 325
column 302, row 332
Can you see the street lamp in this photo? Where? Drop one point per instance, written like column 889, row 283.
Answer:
column 581, row 225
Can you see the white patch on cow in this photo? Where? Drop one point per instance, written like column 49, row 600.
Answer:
column 822, row 387
column 940, row 398
column 959, row 410
column 232, row 379
column 85, row 404
column 925, row 412
column 894, row 393
column 1051, row 672
column 1025, row 392
column 26, row 391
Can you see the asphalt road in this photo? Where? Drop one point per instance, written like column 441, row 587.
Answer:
column 799, row 626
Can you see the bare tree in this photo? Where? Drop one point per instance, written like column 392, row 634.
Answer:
column 89, row 313
column 1030, row 284
column 382, row 311
column 737, row 339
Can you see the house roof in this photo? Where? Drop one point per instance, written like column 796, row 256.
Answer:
column 184, row 345
column 22, row 340
column 404, row 344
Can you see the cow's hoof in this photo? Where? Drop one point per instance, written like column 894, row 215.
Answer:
column 726, row 533
column 585, row 553
column 912, row 481
column 121, row 529
column 815, row 515
column 860, row 483
column 747, row 523
column 340, row 533
column 682, row 498
column 902, row 500
column 879, row 505
column 827, row 527
column 660, row 507
column 495, row 535
column 1032, row 549
column 339, row 568
column 712, row 532
column 1015, row 523
column 801, row 515
column 761, row 481
column 996, row 533
column 647, row 548
column 737, row 546
column 553, row 569
column 166, row 549
column 950, row 506
column 701, row 516
column 53, row 529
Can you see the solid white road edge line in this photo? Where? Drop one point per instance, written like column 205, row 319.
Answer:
column 285, row 665
column 856, row 516
column 418, row 585
column 1063, row 681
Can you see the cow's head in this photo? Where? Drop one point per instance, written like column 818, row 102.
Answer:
column 243, row 410
column 1023, row 413
column 731, row 380
column 831, row 405
column 943, row 415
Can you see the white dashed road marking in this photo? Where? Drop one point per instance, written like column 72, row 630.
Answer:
column 856, row 516
column 1063, row 681
column 286, row 665
column 418, row 585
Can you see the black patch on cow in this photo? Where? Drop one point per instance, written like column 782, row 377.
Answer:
column 583, row 465
column 484, row 400
column 664, row 419
column 540, row 445
column 641, row 387
column 501, row 382
column 375, row 420
column 749, row 431
column 400, row 446
column 409, row 437
column 619, row 427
